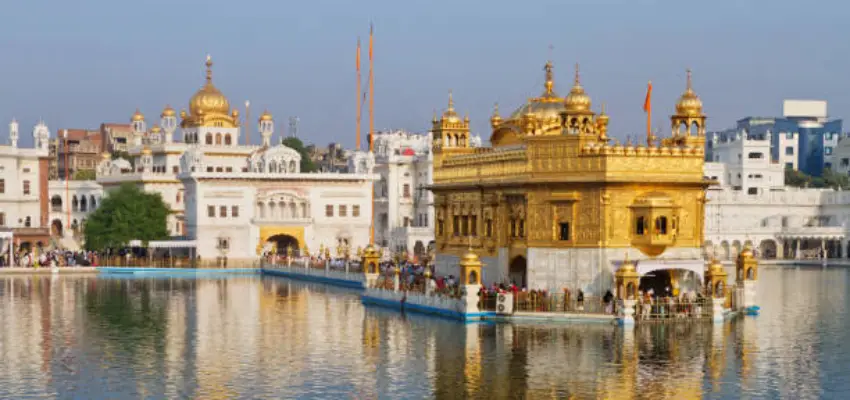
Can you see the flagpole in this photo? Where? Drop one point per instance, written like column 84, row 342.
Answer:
column 647, row 106
column 357, row 142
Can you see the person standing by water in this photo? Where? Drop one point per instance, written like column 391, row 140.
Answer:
column 580, row 300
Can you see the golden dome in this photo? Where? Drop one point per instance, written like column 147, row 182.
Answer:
column 106, row 156
column 168, row 112
column 715, row 265
column 548, row 105
column 577, row 101
column 689, row 103
column 156, row 129
column 370, row 251
column 627, row 268
column 209, row 100
column 495, row 119
column 450, row 115
column 234, row 113
column 146, row 151
column 266, row 116
column 137, row 116
column 470, row 259
column 748, row 250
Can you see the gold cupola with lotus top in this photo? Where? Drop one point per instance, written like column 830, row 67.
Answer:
column 209, row 107
column 688, row 123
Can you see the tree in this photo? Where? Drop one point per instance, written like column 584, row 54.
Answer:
column 828, row 179
column 84, row 175
column 126, row 214
column 296, row 144
column 797, row 178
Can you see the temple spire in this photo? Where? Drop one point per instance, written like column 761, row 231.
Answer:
column 451, row 103
column 209, row 64
column 550, row 80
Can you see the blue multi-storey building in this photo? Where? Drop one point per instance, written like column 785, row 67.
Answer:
column 802, row 139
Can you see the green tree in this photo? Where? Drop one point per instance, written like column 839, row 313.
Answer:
column 296, row 144
column 797, row 178
column 84, row 175
column 126, row 214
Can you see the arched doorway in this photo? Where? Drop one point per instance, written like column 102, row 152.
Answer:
column 518, row 271
column 56, row 203
column 282, row 242
column 724, row 250
column 56, row 227
column 418, row 248
column 708, row 250
column 767, row 248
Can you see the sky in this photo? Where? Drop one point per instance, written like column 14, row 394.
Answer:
column 77, row 64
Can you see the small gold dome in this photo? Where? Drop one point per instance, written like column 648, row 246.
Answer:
column 450, row 115
column 156, row 129
column 168, row 112
column 234, row 113
column 137, row 116
column 689, row 103
column 577, row 101
column 146, row 151
column 627, row 265
column 266, row 116
column 715, row 265
column 748, row 250
column 495, row 119
column 106, row 156
column 470, row 258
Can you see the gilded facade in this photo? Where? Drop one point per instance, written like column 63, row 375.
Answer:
column 554, row 202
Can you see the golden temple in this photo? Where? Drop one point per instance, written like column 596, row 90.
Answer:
column 553, row 203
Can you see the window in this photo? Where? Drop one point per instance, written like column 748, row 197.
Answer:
column 219, row 169
column 234, row 211
column 28, row 222
column 406, row 190
column 26, row 170
column 211, row 211
column 513, row 227
column 827, row 150
column 2, row 219
column 789, row 135
column 752, row 191
column 789, row 151
column 209, row 169
column 222, row 211
column 406, row 222
column 2, row 186
column 329, row 210
column 661, row 225
column 179, row 196
column 522, row 228
column 789, row 165
column 488, row 227
column 755, row 155
column 456, row 225
column 473, row 225
column 209, row 138
column 845, row 162
column 343, row 211
column 26, row 188
column 175, row 169
column 228, row 169
column 640, row 226
column 355, row 210
column 564, row 232
column 440, row 227
column 464, row 225
column 223, row 243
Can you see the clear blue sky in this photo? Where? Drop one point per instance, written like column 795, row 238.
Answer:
column 80, row 63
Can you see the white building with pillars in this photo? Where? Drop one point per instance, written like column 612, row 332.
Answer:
column 751, row 204
column 234, row 200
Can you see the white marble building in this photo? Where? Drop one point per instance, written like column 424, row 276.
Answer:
column 404, row 208
column 23, row 179
column 85, row 197
column 237, row 201
column 751, row 204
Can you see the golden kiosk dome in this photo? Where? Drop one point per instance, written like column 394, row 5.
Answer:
column 748, row 251
column 577, row 101
column 450, row 115
column 209, row 107
column 156, row 129
column 548, row 105
column 168, row 112
column 137, row 116
column 470, row 259
column 689, row 103
column 266, row 116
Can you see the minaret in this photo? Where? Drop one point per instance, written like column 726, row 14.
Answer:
column 450, row 132
column 169, row 124
column 266, row 128
column 41, row 136
column 13, row 133
column 689, row 119
column 137, row 123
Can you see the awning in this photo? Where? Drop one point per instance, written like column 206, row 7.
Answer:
column 646, row 266
column 165, row 244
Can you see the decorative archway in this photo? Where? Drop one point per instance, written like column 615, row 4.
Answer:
column 56, row 203
column 518, row 271
column 724, row 250
column 708, row 250
column 419, row 248
column 768, row 249
column 283, row 242
column 736, row 248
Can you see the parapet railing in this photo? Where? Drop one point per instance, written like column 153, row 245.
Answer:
column 538, row 301
column 177, row 262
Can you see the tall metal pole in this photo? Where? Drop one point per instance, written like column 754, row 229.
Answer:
column 248, row 122
column 372, row 122
column 359, row 105
column 67, row 185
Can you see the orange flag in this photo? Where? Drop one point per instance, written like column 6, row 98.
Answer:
column 647, row 104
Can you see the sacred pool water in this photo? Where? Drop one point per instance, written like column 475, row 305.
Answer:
column 253, row 337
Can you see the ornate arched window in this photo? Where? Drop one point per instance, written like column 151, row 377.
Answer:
column 209, row 138
column 292, row 166
column 217, row 138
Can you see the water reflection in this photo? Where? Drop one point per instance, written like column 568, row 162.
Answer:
column 252, row 337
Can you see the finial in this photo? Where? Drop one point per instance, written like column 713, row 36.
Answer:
column 690, row 86
column 209, row 64
column 603, row 109
column 577, row 78
column 469, row 243
column 451, row 102
column 626, row 260
column 496, row 108
column 550, row 80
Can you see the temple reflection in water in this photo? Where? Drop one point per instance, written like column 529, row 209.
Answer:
column 254, row 337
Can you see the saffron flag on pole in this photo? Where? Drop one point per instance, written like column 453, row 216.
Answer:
column 647, row 104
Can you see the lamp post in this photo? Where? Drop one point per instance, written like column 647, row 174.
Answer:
column 67, row 185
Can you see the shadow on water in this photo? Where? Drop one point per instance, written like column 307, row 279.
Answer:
column 271, row 337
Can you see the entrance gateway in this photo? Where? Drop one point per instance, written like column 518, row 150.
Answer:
column 668, row 277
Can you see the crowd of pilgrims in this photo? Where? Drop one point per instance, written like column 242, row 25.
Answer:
column 48, row 258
